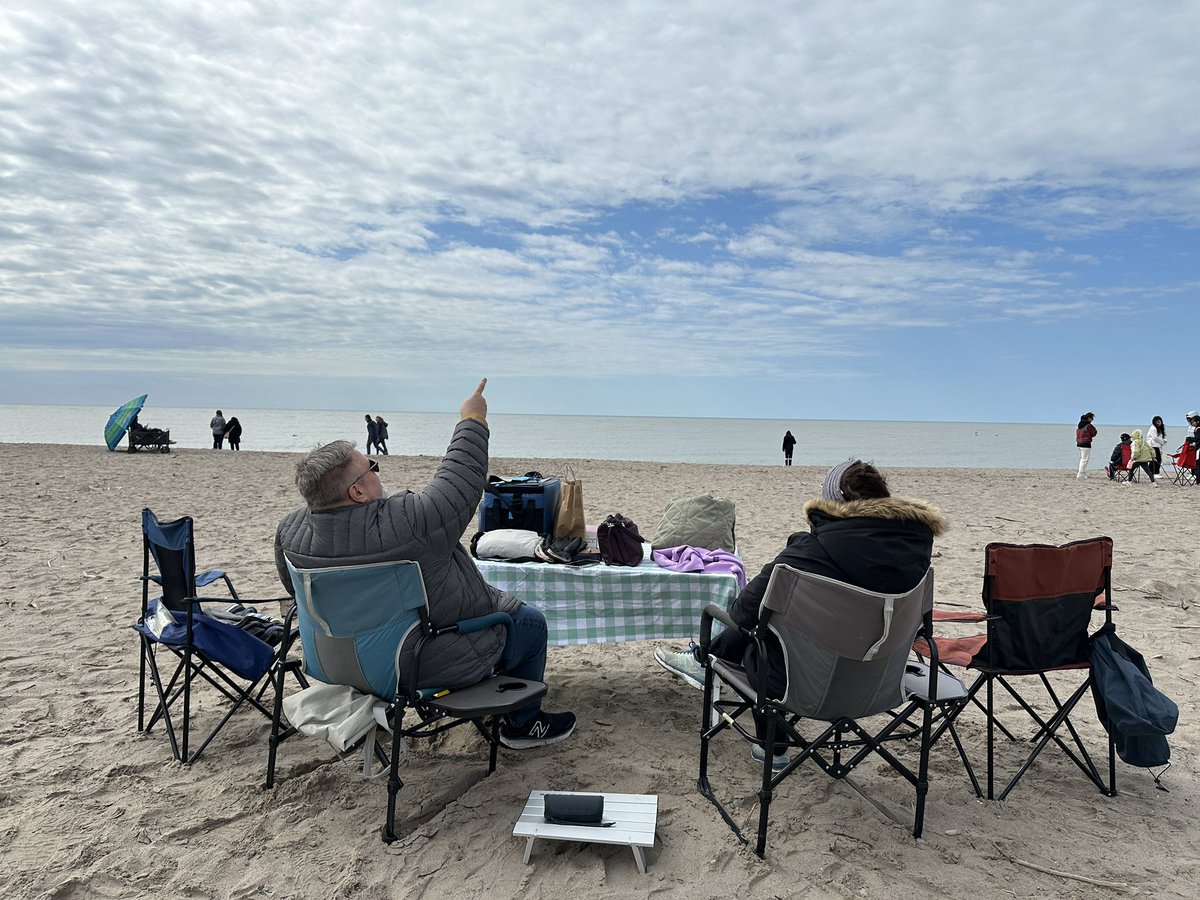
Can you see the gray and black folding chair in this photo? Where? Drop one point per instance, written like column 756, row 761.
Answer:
column 846, row 663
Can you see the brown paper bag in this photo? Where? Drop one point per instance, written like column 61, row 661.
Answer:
column 568, row 522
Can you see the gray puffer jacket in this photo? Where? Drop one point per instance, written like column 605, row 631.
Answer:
column 424, row 527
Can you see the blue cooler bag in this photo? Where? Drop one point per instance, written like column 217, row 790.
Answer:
column 529, row 502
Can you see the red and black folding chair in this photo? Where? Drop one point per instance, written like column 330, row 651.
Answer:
column 1038, row 604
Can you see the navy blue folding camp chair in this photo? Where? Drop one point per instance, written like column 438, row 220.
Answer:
column 353, row 621
column 174, row 627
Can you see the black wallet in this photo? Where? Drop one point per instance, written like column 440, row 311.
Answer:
column 575, row 809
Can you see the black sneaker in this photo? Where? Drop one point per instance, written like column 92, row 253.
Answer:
column 543, row 729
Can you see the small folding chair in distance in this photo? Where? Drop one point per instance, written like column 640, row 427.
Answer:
column 205, row 650
column 1183, row 465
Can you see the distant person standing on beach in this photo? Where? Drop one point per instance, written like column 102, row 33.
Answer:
column 1156, row 437
column 788, row 443
column 218, row 429
column 1193, row 438
column 233, row 431
column 372, row 435
column 381, row 434
column 1084, row 432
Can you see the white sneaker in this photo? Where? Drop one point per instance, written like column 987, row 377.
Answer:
column 682, row 663
column 1154, row 484
column 1080, row 476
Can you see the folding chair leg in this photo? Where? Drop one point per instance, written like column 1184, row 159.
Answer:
column 394, row 782
column 923, row 772
column 962, row 754
column 1049, row 732
column 1112, row 767
column 494, row 741
column 165, row 699
column 707, row 730
column 991, row 737
column 764, row 793
column 274, row 739
column 705, row 725
column 142, row 683
column 187, row 703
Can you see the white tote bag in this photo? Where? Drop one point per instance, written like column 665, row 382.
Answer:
column 341, row 716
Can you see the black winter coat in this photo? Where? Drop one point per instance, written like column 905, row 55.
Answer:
column 881, row 545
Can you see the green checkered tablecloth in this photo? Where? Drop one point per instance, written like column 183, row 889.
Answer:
column 610, row 604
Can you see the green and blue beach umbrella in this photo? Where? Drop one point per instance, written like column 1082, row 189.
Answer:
column 119, row 421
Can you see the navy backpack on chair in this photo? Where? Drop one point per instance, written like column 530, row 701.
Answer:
column 1137, row 714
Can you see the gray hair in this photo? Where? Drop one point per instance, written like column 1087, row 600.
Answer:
column 321, row 475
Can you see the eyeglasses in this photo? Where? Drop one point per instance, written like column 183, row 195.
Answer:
column 372, row 466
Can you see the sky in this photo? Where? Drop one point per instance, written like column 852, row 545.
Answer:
column 917, row 210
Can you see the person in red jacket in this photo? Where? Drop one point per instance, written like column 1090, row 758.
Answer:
column 1084, row 432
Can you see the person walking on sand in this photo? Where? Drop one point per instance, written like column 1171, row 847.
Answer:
column 1156, row 437
column 217, row 424
column 789, row 443
column 372, row 435
column 1140, row 457
column 381, row 434
column 1084, row 432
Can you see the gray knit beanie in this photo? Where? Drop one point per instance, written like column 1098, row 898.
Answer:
column 831, row 490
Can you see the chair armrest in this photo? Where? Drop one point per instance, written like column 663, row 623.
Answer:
column 946, row 615
column 478, row 623
column 206, row 578
column 290, row 632
column 463, row 626
column 711, row 612
column 925, row 633
column 251, row 602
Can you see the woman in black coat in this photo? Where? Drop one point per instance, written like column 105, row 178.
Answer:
column 233, row 433
column 858, row 534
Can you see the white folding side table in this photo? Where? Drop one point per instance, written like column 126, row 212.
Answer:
column 634, row 815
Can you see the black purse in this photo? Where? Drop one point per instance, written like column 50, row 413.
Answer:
column 585, row 810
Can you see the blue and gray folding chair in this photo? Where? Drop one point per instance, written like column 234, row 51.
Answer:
column 205, row 648
column 353, row 621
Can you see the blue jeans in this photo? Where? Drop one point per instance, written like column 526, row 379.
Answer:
column 527, row 647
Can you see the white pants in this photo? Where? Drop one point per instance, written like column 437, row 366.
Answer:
column 1085, row 454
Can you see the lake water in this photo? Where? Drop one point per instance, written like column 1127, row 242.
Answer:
column 735, row 441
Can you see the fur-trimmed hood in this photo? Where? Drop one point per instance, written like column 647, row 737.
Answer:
column 879, row 545
column 899, row 509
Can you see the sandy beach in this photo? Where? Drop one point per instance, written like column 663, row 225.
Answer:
column 91, row 808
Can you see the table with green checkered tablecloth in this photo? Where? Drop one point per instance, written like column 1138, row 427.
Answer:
column 609, row 604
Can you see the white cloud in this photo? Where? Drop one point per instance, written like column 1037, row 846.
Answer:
column 274, row 185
